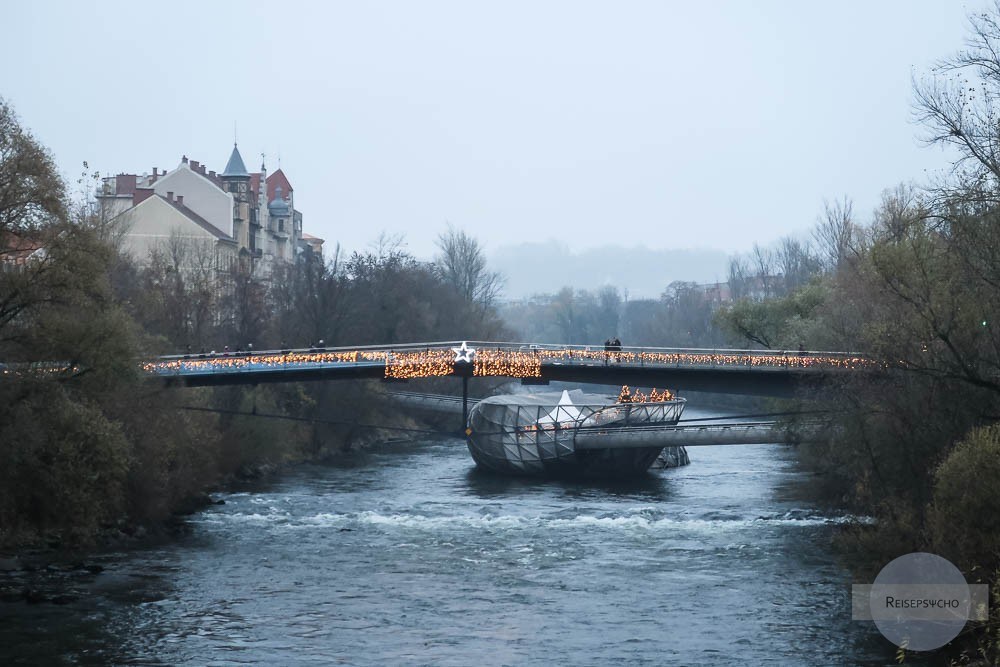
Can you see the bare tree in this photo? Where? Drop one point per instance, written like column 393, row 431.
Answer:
column 461, row 263
column 182, row 290
column 567, row 319
column 796, row 263
column 834, row 232
column 899, row 209
column 310, row 302
column 739, row 277
column 763, row 263
column 609, row 308
column 959, row 105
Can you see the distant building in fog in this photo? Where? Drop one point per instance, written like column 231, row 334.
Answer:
column 716, row 293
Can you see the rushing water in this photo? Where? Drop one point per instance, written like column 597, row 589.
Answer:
column 409, row 556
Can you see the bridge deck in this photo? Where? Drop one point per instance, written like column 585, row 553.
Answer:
column 730, row 371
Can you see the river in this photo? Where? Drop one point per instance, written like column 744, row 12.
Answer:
column 407, row 555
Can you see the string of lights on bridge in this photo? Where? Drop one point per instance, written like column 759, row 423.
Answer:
column 494, row 362
column 748, row 359
column 265, row 360
column 627, row 395
column 424, row 364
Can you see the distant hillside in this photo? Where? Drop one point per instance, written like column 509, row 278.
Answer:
column 547, row 266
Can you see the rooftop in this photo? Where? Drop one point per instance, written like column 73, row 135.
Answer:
column 235, row 166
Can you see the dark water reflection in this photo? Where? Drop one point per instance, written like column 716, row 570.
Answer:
column 409, row 556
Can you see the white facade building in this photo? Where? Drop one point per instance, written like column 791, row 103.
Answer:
column 168, row 225
column 250, row 216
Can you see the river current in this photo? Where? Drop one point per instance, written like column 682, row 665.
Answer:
column 408, row 555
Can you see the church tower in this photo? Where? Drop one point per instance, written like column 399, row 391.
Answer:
column 236, row 181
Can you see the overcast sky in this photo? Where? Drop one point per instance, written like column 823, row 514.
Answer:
column 666, row 124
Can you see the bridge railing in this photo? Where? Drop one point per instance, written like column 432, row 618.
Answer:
column 401, row 357
column 545, row 354
column 38, row 368
column 684, row 357
column 215, row 354
column 237, row 361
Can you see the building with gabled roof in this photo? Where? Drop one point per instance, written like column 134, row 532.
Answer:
column 261, row 223
column 166, row 223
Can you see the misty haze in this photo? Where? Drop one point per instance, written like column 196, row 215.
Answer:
column 449, row 333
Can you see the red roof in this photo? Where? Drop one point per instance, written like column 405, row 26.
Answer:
column 273, row 181
column 125, row 184
column 141, row 195
column 15, row 249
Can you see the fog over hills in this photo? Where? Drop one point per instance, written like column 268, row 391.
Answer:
column 548, row 266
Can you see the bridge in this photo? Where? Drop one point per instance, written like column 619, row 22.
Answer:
column 750, row 372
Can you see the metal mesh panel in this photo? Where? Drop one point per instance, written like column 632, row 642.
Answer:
column 536, row 433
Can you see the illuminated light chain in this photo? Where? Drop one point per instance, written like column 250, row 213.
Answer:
column 498, row 362
column 507, row 363
column 425, row 364
column 244, row 361
column 589, row 355
column 626, row 395
column 786, row 360
column 36, row 368
column 660, row 397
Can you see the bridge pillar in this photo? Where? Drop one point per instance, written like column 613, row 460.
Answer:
column 464, row 367
column 465, row 402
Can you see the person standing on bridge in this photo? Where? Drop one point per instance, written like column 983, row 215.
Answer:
column 616, row 347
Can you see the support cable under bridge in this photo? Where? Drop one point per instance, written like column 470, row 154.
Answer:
column 693, row 435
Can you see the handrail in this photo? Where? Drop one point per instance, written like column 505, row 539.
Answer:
column 542, row 355
column 519, row 346
column 637, row 348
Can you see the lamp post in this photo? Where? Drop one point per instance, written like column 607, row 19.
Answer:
column 464, row 367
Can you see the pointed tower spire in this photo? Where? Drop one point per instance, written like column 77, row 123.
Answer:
column 236, row 181
column 235, row 166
